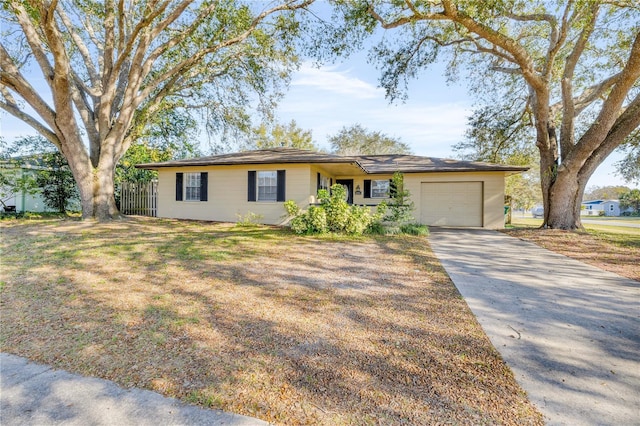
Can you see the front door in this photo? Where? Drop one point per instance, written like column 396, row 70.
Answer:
column 347, row 183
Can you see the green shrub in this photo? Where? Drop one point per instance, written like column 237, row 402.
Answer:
column 249, row 220
column 333, row 214
column 292, row 208
column 414, row 229
column 400, row 207
column 376, row 228
column 317, row 220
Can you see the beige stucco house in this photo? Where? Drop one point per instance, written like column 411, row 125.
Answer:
column 226, row 187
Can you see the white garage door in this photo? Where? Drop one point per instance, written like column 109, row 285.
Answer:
column 451, row 203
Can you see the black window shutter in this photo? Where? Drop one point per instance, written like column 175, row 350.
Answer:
column 179, row 186
column 318, row 185
column 251, row 187
column 281, row 195
column 367, row 188
column 392, row 189
column 330, row 182
column 204, row 186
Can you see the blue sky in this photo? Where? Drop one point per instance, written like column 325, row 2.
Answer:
column 431, row 121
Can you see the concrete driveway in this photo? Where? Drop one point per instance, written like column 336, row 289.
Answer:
column 569, row 331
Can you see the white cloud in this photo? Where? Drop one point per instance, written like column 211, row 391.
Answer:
column 329, row 79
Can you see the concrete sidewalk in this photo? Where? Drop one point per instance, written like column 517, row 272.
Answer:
column 569, row 331
column 34, row 394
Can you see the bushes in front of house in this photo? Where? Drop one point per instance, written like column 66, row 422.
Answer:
column 333, row 214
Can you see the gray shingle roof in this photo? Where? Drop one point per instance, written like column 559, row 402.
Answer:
column 371, row 164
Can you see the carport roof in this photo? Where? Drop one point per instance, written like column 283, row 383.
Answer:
column 370, row 164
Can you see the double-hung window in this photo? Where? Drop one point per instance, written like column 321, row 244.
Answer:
column 266, row 185
column 380, row 188
column 192, row 186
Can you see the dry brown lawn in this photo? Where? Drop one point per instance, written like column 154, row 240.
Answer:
column 616, row 250
column 256, row 321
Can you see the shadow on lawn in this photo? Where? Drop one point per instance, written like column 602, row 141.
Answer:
column 258, row 322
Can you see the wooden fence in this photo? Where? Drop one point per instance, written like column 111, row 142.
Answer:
column 139, row 198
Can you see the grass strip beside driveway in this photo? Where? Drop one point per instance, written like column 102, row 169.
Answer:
column 256, row 321
column 612, row 248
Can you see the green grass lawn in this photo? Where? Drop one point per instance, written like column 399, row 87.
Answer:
column 631, row 232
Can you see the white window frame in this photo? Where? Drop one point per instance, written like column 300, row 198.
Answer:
column 192, row 185
column 380, row 188
column 267, row 179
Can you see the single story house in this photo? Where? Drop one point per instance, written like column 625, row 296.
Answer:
column 225, row 187
column 601, row 208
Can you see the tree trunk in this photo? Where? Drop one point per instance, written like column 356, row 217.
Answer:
column 96, row 187
column 564, row 202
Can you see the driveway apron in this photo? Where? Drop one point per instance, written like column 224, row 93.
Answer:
column 570, row 332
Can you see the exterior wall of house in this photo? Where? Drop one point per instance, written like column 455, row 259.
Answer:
column 492, row 182
column 612, row 208
column 358, row 182
column 602, row 208
column 227, row 193
column 492, row 197
column 23, row 201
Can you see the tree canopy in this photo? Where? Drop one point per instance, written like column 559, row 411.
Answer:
column 356, row 140
column 281, row 135
column 629, row 166
column 631, row 199
column 570, row 68
column 106, row 68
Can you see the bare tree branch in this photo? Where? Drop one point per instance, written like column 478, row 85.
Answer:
column 11, row 77
column 33, row 39
column 82, row 48
column 11, row 106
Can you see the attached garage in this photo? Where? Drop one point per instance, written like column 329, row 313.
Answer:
column 452, row 203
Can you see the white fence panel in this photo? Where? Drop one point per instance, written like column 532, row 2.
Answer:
column 139, row 198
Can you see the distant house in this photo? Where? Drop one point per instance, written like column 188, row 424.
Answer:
column 13, row 200
column 224, row 187
column 601, row 208
column 20, row 200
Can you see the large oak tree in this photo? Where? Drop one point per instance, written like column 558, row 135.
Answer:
column 108, row 66
column 577, row 62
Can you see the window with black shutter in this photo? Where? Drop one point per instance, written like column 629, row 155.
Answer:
column 204, row 186
column 281, row 183
column 179, row 179
column 251, row 186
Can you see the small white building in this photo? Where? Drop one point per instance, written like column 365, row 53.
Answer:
column 19, row 200
column 601, row 208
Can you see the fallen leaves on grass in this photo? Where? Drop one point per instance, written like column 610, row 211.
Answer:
column 293, row 330
column 618, row 253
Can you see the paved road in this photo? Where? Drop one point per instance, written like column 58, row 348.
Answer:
column 35, row 394
column 569, row 331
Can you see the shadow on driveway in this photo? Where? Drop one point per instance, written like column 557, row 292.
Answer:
column 569, row 331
